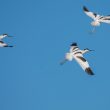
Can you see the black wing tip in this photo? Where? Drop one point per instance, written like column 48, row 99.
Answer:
column 11, row 46
column 85, row 9
column 89, row 71
column 74, row 44
column 8, row 46
column 1, row 42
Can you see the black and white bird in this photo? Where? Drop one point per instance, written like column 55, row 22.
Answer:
column 76, row 54
column 3, row 44
column 97, row 19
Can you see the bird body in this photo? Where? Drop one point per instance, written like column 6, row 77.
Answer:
column 77, row 54
column 95, row 23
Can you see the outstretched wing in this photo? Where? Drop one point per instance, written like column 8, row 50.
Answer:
column 83, row 63
column 105, row 19
column 90, row 14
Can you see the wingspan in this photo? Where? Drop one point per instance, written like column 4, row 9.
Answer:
column 90, row 14
column 83, row 63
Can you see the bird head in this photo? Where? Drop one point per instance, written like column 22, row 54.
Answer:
column 87, row 50
column 74, row 44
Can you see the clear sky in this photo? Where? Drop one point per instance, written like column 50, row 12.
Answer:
column 30, row 75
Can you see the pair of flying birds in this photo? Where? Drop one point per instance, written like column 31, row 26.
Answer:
column 77, row 54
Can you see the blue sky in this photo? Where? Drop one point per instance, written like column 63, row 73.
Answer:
column 30, row 75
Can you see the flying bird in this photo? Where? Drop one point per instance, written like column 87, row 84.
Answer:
column 3, row 44
column 97, row 19
column 76, row 54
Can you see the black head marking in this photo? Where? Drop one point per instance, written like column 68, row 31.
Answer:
column 73, row 44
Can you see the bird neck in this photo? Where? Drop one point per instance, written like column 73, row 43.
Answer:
column 84, row 51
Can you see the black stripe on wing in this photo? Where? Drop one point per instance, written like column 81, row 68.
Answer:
column 77, row 53
column 106, row 18
column 89, row 71
column 81, row 58
column 1, row 42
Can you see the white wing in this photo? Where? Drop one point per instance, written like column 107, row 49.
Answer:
column 83, row 63
column 90, row 14
column 105, row 19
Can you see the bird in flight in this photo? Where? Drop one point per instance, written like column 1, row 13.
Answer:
column 76, row 54
column 97, row 19
column 3, row 44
